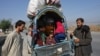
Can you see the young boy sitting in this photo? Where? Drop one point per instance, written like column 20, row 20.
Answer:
column 59, row 32
column 40, row 36
column 50, row 39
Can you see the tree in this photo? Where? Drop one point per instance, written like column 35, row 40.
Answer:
column 5, row 24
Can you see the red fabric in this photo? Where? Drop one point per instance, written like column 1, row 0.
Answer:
column 39, row 40
column 60, row 28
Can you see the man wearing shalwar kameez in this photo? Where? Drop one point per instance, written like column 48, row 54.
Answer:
column 13, row 43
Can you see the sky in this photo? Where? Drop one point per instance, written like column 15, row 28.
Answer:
column 72, row 9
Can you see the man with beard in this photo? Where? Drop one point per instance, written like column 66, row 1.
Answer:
column 13, row 43
column 82, row 38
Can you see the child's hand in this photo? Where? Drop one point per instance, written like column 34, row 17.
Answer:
column 43, row 43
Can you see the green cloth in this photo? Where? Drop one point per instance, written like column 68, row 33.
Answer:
column 43, row 36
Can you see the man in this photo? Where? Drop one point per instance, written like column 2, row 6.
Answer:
column 30, row 34
column 35, row 5
column 13, row 43
column 27, row 45
column 83, row 39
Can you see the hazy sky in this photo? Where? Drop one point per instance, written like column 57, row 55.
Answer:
column 88, row 9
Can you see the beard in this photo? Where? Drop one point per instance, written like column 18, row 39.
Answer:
column 79, row 27
column 21, row 30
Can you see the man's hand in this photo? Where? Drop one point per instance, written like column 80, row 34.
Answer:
column 31, row 16
column 77, row 40
column 52, row 2
column 72, row 34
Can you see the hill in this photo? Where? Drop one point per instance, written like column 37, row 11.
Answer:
column 95, row 28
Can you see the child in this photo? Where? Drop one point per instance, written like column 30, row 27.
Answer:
column 35, row 5
column 50, row 39
column 40, row 36
column 59, row 32
column 30, row 34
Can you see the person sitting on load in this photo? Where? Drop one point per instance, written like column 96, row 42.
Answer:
column 59, row 32
column 50, row 39
column 40, row 37
column 35, row 5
